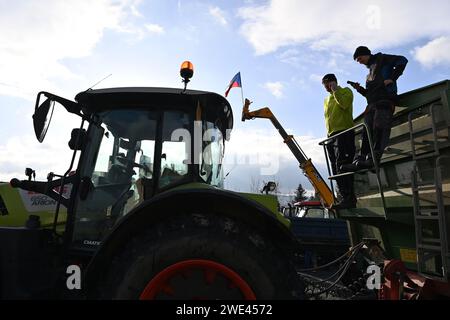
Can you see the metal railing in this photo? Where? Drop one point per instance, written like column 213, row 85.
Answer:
column 361, row 127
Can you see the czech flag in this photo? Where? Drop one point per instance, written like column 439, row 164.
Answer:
column 234, row 83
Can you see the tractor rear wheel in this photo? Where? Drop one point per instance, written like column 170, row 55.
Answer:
column 199, row 256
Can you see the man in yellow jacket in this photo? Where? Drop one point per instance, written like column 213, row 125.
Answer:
column 338, row 108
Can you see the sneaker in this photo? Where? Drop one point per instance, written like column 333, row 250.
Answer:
column 366, row 164
column 358, row 165
column 350, row 167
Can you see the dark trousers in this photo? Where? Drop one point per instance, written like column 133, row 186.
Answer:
column 378, row 118
column 340, row 152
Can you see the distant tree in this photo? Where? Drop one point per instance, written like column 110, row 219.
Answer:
column 300, row 194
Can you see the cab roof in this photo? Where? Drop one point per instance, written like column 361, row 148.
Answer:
column 213, row 105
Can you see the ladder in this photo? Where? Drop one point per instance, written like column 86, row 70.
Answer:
column 429, row 215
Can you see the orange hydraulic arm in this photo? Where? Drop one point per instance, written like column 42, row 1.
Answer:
column 306, row 164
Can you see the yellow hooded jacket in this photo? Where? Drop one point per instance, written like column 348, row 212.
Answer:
column 338, row 109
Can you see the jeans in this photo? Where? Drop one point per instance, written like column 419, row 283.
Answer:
column 340, row 152
column 378, row 118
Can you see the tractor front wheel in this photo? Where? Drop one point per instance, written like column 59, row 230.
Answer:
column 201, row 256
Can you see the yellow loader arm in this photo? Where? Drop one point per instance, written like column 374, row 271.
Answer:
column 310, row 171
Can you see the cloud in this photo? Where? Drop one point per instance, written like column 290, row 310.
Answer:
column 275, row 88
column 20, row 152
column 134, row 10
column 292, row 57
column 154, row 28
column 434, row 52
column 21, row 149
column 260, row 143
column 37, row 37
column 342, row 27
column 219, row 15
column 316, row 78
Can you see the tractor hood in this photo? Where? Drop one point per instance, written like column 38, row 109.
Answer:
column 16, row 205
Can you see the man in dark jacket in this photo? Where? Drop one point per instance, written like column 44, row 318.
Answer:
column 381, row 95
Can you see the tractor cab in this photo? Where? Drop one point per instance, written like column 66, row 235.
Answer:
column 138, row 143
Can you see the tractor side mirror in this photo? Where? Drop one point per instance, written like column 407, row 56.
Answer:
column 42, row 116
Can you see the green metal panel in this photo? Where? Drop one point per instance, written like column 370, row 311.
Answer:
column 397, row 161
column 394, row 227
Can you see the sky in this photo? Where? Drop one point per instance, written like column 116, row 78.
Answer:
column 281, row 47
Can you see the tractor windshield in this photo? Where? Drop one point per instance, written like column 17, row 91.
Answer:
column 137, row 154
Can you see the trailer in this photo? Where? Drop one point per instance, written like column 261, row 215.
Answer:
column 404, row 204
column 402, row 217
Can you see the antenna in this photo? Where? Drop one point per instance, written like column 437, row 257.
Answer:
column 229, row 172
column 100, row 81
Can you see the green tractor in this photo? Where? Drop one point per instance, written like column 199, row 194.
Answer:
column 140, row 212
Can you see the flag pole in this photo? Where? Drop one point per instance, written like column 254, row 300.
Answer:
column 242, row 90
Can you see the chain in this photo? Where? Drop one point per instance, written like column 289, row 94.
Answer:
column 331, row 288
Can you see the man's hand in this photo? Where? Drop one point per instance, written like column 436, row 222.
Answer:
column 355, row 85
column 388, row 82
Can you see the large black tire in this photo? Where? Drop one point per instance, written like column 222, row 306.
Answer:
column 262, row 265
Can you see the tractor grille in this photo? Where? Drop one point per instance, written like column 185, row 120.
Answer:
column 3, row 209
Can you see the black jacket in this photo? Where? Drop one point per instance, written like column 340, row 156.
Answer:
column 383, row 67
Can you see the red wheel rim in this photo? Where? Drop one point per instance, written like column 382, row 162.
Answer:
column 160, row 283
